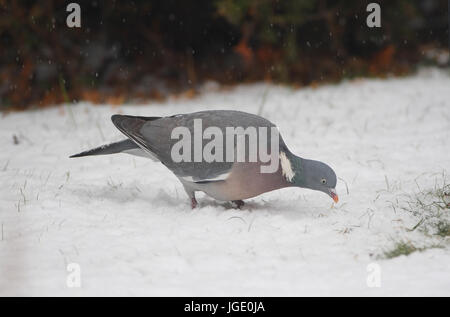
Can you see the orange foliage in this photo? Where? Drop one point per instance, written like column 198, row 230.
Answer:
column 382, row 60
column 244, row 51
column 91, row 95
column 266, row 54
column 116, row 100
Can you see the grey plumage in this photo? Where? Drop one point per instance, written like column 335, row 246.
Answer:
column 152, row 137
column 116, row 147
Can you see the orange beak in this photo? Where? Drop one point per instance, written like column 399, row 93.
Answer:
column 334, row 195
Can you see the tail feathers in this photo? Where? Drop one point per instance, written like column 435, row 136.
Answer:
column 117, row 147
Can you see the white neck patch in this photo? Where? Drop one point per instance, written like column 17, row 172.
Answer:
column 286, row 167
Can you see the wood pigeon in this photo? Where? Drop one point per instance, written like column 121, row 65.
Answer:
column 231, row 174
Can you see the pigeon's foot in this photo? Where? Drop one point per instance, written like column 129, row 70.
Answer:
column 238, row 203
column 193, row 203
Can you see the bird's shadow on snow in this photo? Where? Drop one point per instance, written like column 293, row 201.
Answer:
column 163, row 199
column 130, row 193
column 275, row 207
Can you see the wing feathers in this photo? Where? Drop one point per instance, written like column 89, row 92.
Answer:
column 116, row 147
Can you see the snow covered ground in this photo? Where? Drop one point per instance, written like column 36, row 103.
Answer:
column 128, row 226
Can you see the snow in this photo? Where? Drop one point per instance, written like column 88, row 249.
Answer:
column 127, row 222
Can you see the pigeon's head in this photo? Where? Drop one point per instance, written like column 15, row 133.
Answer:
column 311, row 174
column 319, row 176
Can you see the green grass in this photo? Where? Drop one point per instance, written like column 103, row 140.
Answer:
column 431, row 207
column 432, row 212
column 405, row 248
column 443, row 228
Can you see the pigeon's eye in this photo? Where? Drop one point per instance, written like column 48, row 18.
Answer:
column 323, row 181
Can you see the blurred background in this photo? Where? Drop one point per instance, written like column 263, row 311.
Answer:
column 138, row 50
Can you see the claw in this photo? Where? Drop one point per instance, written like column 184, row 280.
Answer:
column 238, row 203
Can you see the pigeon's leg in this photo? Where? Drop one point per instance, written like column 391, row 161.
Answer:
column 193, row 203
column 238, row 203
column 191, row 194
